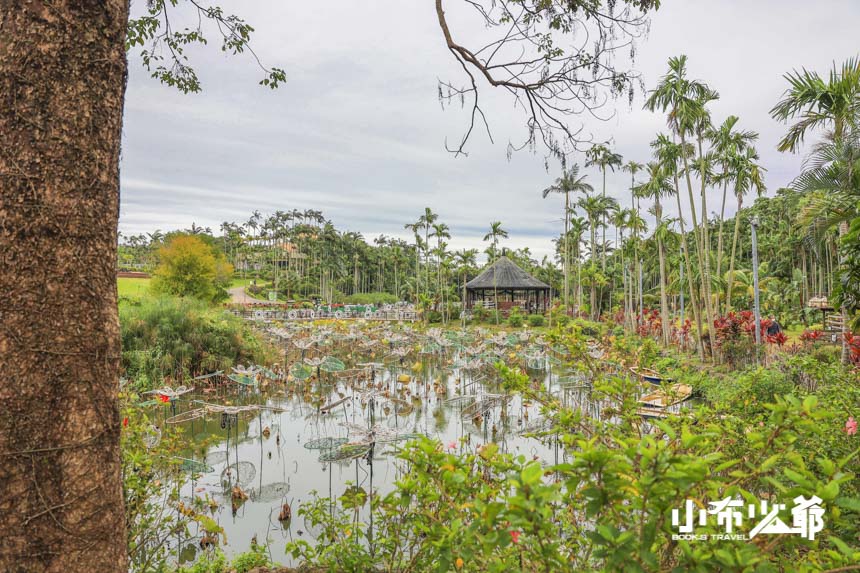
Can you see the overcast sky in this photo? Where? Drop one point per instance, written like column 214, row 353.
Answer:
column 358, row 132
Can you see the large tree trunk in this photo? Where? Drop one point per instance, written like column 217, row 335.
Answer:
column 62, row 83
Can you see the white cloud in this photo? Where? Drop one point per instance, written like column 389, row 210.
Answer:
column 357, row 130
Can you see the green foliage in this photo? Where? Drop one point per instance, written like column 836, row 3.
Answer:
column 848, row 288
column 152, row 32
column 214, row 561
column 374, row 298
column 433, row 316
column 180, row 338
column 608, row 506
column 587, row 327
column 486, row 316
column 536, row 320
column 255, row 557
column 479, row 313
column 189, row 267
column 151, row 480
column 515, row 318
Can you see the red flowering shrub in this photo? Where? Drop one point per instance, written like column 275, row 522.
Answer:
column 779, row 339
column 650, row 323
column 853, row 341
column 811, row 335
column 734, row 335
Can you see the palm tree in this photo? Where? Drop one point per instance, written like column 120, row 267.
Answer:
column 496, row 233
column 668, row 154
column 624, row 219
column 415, row 228
column 441, row 231
column 603, row 157
column 426, row 222
column 834, row 103
column 747, row 175
column 632, row 167
column 830, row 184
column 702, row 165
column 569, row 182
column 465, row 260
column 637, row 227
column 596, row 207
column 726, row 142
column 684, row 100
column 578, row 225
column 396, row 256
column 619, row 221
column 655, row 188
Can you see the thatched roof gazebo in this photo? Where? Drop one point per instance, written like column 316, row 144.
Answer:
column 512, row 285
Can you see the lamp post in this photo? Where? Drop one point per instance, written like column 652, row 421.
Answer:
column 756, row 307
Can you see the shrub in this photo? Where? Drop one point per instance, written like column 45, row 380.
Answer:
column 434, row 316
column 587, row 327
column 536, row 320
column 479, row 313
column 374, row 298
column 493, row 317
column 515, row 319
column 179, row 338
column 189, row 267
column 495, row 510
column 558, row 315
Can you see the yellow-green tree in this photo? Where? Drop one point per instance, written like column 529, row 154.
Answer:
column 188, row 266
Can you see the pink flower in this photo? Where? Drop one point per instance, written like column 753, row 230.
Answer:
column 515, row 536
column 851, row 426
column 452, row 445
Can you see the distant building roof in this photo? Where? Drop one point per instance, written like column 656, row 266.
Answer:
column 504, row 274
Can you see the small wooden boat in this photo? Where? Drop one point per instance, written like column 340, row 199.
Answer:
column 667, row 396
column 652, row 413
column 648, row 375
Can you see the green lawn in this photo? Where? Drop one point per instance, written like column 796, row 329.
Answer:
column 132, row 287
column 240, row 282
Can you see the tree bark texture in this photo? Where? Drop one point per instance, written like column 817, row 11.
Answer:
column 62, row 84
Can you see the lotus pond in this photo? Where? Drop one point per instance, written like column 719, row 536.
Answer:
column 258, row 442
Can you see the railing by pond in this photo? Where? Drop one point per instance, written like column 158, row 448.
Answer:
column 395, row 313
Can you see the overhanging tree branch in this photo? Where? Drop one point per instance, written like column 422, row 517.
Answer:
column 549, row 83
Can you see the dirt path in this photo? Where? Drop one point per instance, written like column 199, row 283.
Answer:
column 238, row 296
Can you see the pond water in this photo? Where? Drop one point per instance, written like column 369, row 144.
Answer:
column 288, row 437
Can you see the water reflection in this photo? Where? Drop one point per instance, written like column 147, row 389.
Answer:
column 261, row 442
